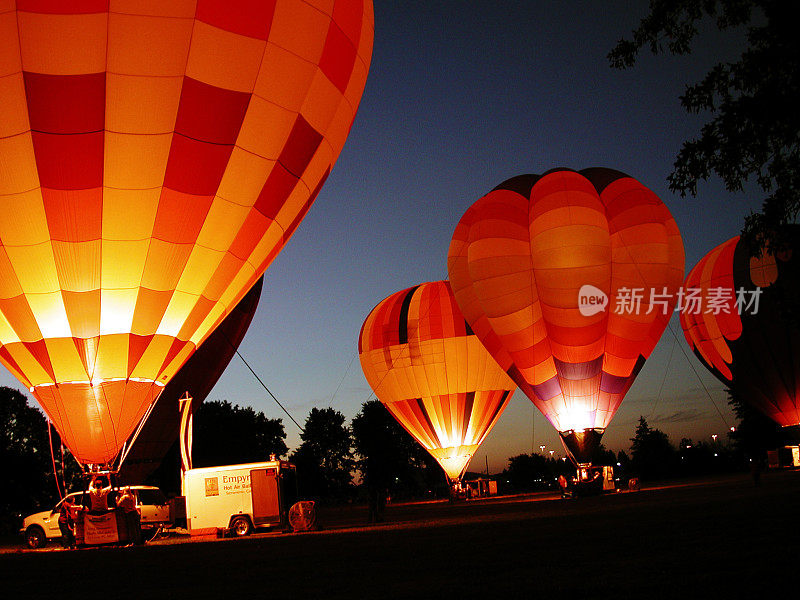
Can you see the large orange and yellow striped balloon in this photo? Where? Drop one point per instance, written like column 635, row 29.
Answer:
column 155, row 156
column 520, row 260
column 429, row 369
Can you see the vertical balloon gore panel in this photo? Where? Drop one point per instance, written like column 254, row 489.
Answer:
column 156, row 158
column 431, row 372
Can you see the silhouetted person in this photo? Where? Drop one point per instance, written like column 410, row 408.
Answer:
column 66, row 523
column 133, row 520
column 564, row 485
column 98, row 496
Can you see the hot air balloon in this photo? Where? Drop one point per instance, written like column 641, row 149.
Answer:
column 569, row 279
column 736, row 321
column 431, row 372
column 154, row 159
column 197, row 377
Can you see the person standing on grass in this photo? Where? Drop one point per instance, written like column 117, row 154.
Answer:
column 66, row 524
column 133, row 520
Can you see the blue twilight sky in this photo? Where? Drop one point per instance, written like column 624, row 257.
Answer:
column 461, row 96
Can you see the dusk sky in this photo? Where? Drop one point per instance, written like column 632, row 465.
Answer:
column 460, row 97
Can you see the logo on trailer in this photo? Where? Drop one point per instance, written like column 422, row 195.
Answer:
column 212, row 486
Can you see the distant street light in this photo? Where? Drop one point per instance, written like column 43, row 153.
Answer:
column 714, row 436
column 541, row 448
column 551, row 453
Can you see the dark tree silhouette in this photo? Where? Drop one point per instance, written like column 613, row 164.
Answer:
column 602, row 457
column 324, row 459
column 755, row 433
column 754, row 130
column 225, row 434
column 387, row 456
column 25, row 459
column 28, row 480
column 652, row 455
column 525, row 471
column 535, row 471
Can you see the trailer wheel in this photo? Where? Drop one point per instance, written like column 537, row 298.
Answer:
column 240, row 527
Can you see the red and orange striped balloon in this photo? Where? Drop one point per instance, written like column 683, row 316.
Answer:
column 154, row 159
column 740, row 328
column 519, row 260
column 429, row 369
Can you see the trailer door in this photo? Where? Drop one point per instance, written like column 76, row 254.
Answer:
column 266, row 498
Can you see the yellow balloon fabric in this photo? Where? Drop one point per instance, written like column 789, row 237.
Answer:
column 429, row 369
column 154, row 159
column 523, row 259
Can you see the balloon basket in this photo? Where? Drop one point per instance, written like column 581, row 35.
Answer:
column 588, row 481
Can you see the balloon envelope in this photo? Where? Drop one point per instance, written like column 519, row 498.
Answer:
column 739, row 328
column 156, row 156
column 196, row 377
column 430, row 370
column 555, row 273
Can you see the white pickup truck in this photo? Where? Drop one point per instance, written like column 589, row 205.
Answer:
column 39, row 528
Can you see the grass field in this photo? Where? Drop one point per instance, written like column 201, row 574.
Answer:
column 722, row 538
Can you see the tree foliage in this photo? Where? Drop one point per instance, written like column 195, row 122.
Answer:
column 603, row 457
column 754, row 129
column 28, row 480
column 226, row 434
column 652, row 454
column 324, row 459
column 387, row 456
column 535, row 471
column 25, row 460
column 755, row 433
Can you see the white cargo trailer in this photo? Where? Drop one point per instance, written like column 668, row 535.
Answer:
column 237, row 499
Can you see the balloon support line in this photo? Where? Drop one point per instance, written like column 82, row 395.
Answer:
column 53, row 460
column 664, row 379
column 247, row 364
column 694, row 370
column 346, row 371
column 283, row 408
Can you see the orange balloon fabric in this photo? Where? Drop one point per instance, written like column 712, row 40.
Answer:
column 154, row 159
column 707, row 333
column 429, row 369
column 197, row 377
column 739, row 329
column 520, row 260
